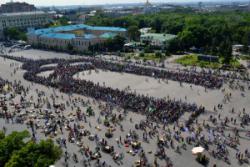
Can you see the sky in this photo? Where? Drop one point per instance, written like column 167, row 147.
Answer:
column 92, row 2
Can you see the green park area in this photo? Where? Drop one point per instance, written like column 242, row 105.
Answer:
column 157, row 56
column 245, row 57
column 192, row 60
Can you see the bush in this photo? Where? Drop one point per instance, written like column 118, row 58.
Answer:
column 15, row 33
column 167, row 53
column 158, row 55
column 2, row 135
column 142, row 54
column 148, row 50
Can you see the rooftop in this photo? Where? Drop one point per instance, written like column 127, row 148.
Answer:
column 22, row 13
column 63, row 32
column 59, row 35
column 108, row 35
column 158, row 36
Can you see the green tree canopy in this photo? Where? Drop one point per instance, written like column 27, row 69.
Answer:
column 42, row 154
column 225, row 51
column 206, row 31
column 134, row 33
column 15, row 33
column 15, row 152
column 111, row 44
column 11, row 143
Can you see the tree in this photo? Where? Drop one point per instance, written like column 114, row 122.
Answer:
column 63, row 21
column 207, row 31
column 15, row 33
column 245, row 42
column 111, row 44
column 173, row 45
column 35, row 155
column 142, row 23
column 201, row 35
column 245, row 48
column 15, row 152
column 142, row 54
column 134, row 33
column 158, row 55
column 186, row 39
column 2, row 135
column 225, row 51
column 11, row 143
column 157, row 25
column 172, row 27
column 148, row 49
column 115, row 44
column 167, row 53
column 70, row 47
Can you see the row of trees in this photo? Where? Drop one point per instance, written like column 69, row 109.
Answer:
column 15, row 33
column 110, row 45
column 211, row 33
column 15, row 152
column 61, row 21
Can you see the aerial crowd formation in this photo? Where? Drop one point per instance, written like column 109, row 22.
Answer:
column 157, row 111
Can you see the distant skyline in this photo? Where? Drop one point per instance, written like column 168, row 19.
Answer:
column 98, row 2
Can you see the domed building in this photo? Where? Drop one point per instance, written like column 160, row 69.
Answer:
column 149, row 8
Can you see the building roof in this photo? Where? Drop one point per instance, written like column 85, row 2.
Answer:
column 77, row 27
column 108, row 35
column 58, row 35
column 22, row 13
column 89, row 36
column 62, row 32
column 97, row 28
column 158, row 36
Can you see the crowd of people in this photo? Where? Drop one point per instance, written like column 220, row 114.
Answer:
column 205, row 79
column 165, row 111
column 53, row 122
column 213, row 134
column 215, row 139
column 2, row 83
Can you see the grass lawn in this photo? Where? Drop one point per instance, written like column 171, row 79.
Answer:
column 192, row 60
column 147, row 56
column 245, row 57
